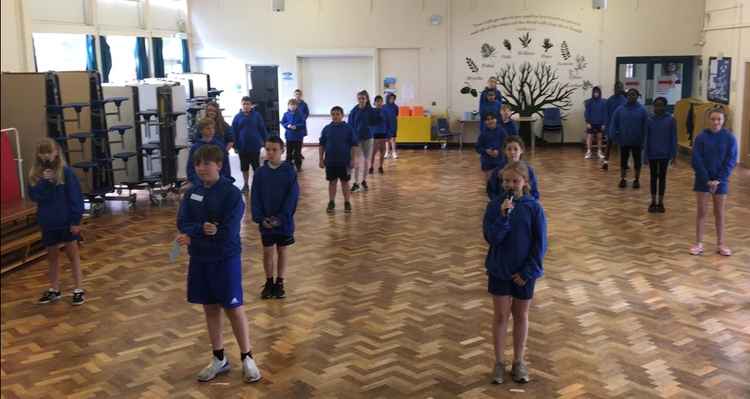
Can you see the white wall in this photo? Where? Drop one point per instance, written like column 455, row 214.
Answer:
column 12, row 37
column 728, row 35
column 250, row 33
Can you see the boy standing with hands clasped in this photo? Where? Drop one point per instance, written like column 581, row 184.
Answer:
column 209, row 222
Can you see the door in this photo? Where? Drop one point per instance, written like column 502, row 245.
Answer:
column 669, row 77
column 263, row 87
column 745, row 126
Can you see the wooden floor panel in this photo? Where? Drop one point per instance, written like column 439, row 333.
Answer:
column 391, row 302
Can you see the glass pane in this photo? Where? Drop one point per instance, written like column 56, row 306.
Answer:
column 668, row 81
column 60, row 52
column 634, row 76
column 123, row 58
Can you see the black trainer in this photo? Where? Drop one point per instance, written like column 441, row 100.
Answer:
column 653, row 208
column 605, row 165
column 636, row 184
column 267, row 290
column 78, row 297
column 370, row 171
column 331, row 206
column 380, row 170
column 278, row 291
column 348, row 207
column 50, row 296
column 660, row 208
column 623, row 183
column 355, row 187
column 364, row 185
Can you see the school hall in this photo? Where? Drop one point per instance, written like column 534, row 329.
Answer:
column 375, row 199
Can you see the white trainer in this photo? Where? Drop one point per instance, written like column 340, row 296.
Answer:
column 395, row 155
column 213, row 369
column 588, row 155
column 250, row 370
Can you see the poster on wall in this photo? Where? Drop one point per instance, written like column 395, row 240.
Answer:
column 389, row 85
column 719, row 75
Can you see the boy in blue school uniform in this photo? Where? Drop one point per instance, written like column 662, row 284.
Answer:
column 516, row 230
column 490, row 88
column 209, row 222
column 207, row 129
column 274, row 197
column 391, row 109
column 295, row 130
column 510, row 127
column 338, row 147
column 660, row 149
column 249, row 134
column 595, row 114
column 490, row 145
column 628, row 130
column 615, row 101
column 491, row 106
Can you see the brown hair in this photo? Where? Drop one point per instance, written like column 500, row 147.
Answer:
column 206, row 122
column 521, row 169
column 221, row 124
column 514, row 139
column 208, row 153
column 292, row 101
column 718, row 110
column 47, row 146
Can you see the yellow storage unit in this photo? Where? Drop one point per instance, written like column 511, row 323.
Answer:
column 414, row 129
column 700, row 118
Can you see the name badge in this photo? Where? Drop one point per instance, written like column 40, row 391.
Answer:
column 196, row 197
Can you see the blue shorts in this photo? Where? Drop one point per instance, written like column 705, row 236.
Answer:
column 500, row 287
column 490, row 164
column 58, row 236
column 702, row 187
column 280, row 240
column 215, row 283
column 595, row 128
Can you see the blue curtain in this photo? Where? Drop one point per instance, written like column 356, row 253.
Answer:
column 142, row 71
column 185, row 56
column 91, row 52
column 106, row 58
column 158, row 52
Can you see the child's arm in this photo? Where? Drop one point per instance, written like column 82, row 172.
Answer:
column 615, row 126
column 237, row 131
column 261, row 126
column 697, row 161
column 284, row 121
column 42, row 191
column 322, row 147
column 231, row 219
column 587, row 111
column 191, row 228
column 75, row 198
column 673, row 135
column 532, row 267
column 730, row 161
column 190, row 168
column 289, row 207
column 496, row 226
column 256, row 203
column 480, row 145
column 299, row 121
column 229, row 134
column 534, row 187
column 305, row 110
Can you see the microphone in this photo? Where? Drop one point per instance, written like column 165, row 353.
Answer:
column 508, row 196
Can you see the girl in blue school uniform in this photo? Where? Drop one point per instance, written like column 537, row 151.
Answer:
column 56, row 190
column 362, row 118
column 595, row 115
column 714, row 158
column 223, row 130
column 628, row 129
column 295, row 129
column 616, row 100
column 490, row 145
column 516, row 230
column 510, row 127
column 380, row 134
column 207, row 129
column 514, row 149
column 391, row 110
column 660, row 149
column 491, row 105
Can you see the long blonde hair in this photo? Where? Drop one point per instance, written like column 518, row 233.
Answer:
column 521, row 169
column 47, row 146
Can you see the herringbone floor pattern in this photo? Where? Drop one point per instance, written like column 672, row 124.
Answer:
column 391, row 302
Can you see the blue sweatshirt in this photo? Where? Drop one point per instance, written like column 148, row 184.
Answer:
column 629, row 125
column 221, row 203
column 227, row 137
column 511, row 129
column 305, row 110
column 596, row 111
column 614, row 102
column 491, row 140
column 488, row 107
column 517, row 241
column 59, row 206
column 714, row 155
column 362, row 120
column 661, row 137
column 381, row 128
column 338, row 140
column 495, row 186
column 298, row 120
column 190, row 167
column 392, row 116
column 249, row 131
column 483, row 96
column 275, row 192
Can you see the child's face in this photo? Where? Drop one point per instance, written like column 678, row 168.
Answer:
column 632, row 97
column 48, row 156
column 379, row 102
column 505, row 112
column 208, row 171
column 273, row 152
column 298, row 94
column 207, row 133
column 513, row 182
column 513, row 151
column 361, row 101
column 212, row 112
column 491, row 123
column 292, row 107
column 337, row 116
column 660, row 108
column 491, row 97
column 390, row 99
column 717, row 121
column 247, row 106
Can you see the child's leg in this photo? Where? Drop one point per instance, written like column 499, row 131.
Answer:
column 653, row 165
column 624, row 155
column 638, row 161
column 663, row 166
column 53, row 260
column 345, row 189
column 702, row 201
column 298, row 154
column 520, row 310
column 71, row 250
column 393, row 145
column 381, row 148
column 215, row 325
column 332, row 190
column 599, row 142
column 268, row 261
column 239, row 327
column 358, row 165
column 588, row 142
column 502, row 310
column 281, row 262
column 719, row 207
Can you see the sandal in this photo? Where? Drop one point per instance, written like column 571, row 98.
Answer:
column 724, row 251
column 696, row 249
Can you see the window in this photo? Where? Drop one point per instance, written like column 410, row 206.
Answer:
column 629, row 71
column 122, row 49
column 59, row 52
column 172, row 53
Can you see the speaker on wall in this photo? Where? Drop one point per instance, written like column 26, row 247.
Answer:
column 278, row 5
column 599, row 4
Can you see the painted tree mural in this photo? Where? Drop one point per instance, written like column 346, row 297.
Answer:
column 529, row 88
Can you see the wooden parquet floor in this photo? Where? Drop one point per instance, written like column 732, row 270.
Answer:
column 391, row 301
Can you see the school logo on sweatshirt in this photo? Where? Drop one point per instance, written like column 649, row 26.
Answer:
column 234, row 301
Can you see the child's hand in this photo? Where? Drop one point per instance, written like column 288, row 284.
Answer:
column 518, row 280
column 321, row 164
column 588, row 126
column 49, row 174
column 713, row 185
column 351, row 164
column 506, row 207
column 183, row 239
column 209, row 229
column 76, row 230
column 266, row 224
